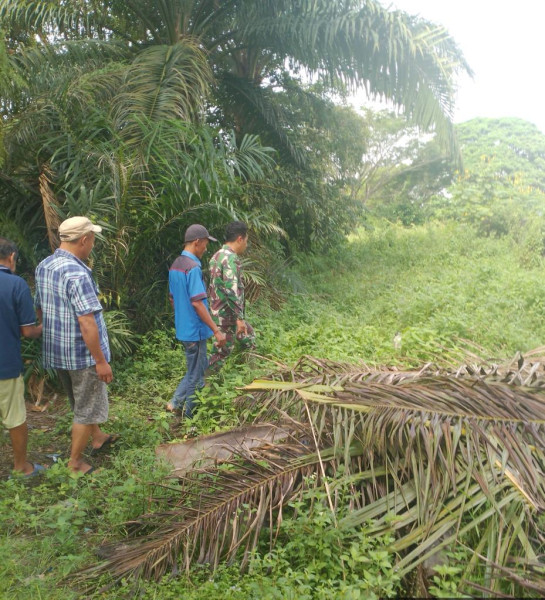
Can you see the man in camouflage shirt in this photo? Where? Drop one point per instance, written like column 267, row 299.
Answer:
column 226, row 294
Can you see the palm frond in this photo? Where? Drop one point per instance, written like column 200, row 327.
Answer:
column 255, row 108
column 450, row 454
column 43, row 16
column 389, row 53
column 218, row 523
column 164, row 82
column 49, row 203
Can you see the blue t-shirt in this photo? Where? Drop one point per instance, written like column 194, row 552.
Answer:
column 186, row 285
column 16, row 311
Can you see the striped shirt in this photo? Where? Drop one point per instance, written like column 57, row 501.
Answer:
column 65, row 290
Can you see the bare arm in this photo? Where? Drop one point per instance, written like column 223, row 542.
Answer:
column 89, row 331
column 31, row 331
column 205, row 317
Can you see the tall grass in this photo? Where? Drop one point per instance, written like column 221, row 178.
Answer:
column 436, row 284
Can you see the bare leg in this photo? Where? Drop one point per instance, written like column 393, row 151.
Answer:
column 80, row 437
column 98, row 436
column 19, row 439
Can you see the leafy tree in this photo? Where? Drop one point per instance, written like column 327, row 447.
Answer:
column 94, row 88
column 345, row 42
column 502, row 186
column 400, row 169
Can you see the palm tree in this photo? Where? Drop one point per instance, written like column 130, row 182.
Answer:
column 251, row 45
column 436, row 458
column 91, row 84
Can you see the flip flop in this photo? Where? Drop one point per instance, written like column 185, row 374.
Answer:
column 109, row 441
column 36, row 470
column 84, row 473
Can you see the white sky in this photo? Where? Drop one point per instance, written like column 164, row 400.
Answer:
column 504, row 44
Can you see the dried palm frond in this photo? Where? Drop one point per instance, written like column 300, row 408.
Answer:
column 219, row 513
column 448, row 451
column 49, row 203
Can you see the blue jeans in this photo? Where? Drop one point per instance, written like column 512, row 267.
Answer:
column 197, row 362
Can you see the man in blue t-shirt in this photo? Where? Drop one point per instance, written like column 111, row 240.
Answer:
column 17, row 318
column 193, row 322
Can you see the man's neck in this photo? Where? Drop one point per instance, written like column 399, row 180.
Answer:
column 192, row 250
column 72, row 249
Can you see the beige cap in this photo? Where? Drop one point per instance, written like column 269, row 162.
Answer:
column 76, row 227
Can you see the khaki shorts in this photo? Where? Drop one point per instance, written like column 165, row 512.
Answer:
column 12, row 402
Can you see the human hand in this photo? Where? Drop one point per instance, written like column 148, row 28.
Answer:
column 242, row 328
column 104, row 372
column 221, row 338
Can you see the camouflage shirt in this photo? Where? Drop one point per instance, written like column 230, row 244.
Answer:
column 226, row 293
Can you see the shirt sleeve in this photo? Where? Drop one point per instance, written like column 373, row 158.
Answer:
column 195, row 285
column 83, row 296
column 24, row 305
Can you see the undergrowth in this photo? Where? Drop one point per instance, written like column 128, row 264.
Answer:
column 441, row 287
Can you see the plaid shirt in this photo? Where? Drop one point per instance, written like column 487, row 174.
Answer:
column 65, row 290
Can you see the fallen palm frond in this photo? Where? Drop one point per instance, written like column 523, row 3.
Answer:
column 434, row 456
column 218, row 514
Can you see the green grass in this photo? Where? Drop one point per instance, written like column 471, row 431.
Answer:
column 436, row 284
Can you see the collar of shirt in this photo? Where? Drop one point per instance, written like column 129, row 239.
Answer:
column 66, row 254
column 6, row 269
column 192, row 256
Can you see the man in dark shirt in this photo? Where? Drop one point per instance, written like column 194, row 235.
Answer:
column 17, row 318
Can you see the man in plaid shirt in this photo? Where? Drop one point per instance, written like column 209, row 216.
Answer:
column 75, row 341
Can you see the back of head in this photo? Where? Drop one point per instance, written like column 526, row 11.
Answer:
column 234, row 230
column 7, row 248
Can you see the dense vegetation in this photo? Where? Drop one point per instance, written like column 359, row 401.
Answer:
column 150, row 115
column 389, row 238
column 436, row 284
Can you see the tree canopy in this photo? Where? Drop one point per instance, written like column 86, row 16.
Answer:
column 148, row 115
column 502, row 184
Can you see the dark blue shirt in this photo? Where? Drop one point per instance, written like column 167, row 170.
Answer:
column 16, row 311
column 186, row 285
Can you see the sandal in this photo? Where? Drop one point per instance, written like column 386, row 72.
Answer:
column 109, row 441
